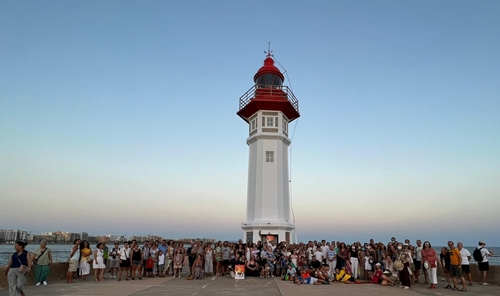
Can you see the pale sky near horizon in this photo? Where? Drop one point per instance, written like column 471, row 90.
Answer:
column 120, row 116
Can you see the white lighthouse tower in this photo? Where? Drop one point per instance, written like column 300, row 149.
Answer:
column 268, row 107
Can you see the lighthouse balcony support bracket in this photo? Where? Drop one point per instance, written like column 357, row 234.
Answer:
column 283, row 92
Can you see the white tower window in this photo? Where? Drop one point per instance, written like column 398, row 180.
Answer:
column 269, row 156
column 263, row 121
column 270, row 121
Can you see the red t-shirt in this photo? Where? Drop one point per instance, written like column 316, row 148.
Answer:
column 150, row 263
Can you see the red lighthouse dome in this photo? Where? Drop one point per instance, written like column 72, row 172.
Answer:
column 269, row 93
column 269, row 74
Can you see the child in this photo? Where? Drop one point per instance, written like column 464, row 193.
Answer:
column 291, row 273
column 161, row 263
column 178, row 260
column 265, row 271
column 149, row 266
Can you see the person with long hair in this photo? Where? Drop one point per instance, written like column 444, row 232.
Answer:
column 85, row 259
column 136, row 262
column 342, row 256
column 429, row 259
column 209, row 262
column 197, row 268
column 98, row 264
column 19, row 264
column 43, row 258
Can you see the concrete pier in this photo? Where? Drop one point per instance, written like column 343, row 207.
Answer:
column 227, row 286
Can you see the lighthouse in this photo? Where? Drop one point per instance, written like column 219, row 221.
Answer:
column 268, row 107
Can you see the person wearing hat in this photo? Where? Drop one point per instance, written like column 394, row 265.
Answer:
column 484, row 265
column 42, row 260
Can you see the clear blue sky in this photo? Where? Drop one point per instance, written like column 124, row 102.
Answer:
column 120, row 116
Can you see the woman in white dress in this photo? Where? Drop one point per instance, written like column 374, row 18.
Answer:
column 99, row 265
column 209, row 261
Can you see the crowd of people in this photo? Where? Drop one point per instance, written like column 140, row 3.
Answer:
column 315, row 263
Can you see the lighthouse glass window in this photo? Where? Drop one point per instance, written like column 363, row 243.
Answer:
column 269, row 156
column 270, row 121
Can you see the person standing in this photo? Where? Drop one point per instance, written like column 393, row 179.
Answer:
column 74, row 259
column 465, row 261
column 429, row 257
column 114, row 261
column 124, row 261
column 331, row 259
column 43, row 259
column 456, row 267
column 19, row 264
column 418, row 261
column 484, row 266
column 85, row 259
column 209, row 262
column 99, row 265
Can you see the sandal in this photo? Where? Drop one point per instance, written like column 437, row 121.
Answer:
column 454, row 289
column 448, row 287
column 463, row 290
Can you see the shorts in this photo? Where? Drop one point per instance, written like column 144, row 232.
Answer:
column 418, row 265
column 311, row 280
column 393, row 278
column 225, row 262
column 113, row 263
column 161, row 267
column 466, row 269
column 73, row 265
column 149, row 270
column 483, row 266
column 125, row 264
column 144, row 262
column 455, row 271
column 136, row 262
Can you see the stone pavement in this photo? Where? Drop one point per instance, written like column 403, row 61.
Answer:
column 227, row 286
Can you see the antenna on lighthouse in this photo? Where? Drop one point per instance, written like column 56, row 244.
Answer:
column 269, row 52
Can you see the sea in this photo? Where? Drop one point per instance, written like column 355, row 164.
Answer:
column 60, row 253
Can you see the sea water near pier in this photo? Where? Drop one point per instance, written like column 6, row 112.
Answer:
column 60, row 253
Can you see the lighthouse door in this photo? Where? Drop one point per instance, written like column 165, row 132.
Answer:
column 270, row 238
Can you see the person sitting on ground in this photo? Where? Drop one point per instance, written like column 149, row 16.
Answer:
column 197, row 268
column 232, row 265
column 291, row 273
column 252, row 269
column 376, row 275
column 390, row 275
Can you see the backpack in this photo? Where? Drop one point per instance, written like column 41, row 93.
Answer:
column 478, row 257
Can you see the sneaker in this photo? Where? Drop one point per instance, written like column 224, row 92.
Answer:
column 38, row 284
column 44, row 283
column 485, row 284
column 406, row 288
column 173, row 276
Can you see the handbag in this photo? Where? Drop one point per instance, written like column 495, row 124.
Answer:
column 398, row 265
column 23, row 268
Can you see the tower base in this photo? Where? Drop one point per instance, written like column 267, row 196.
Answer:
column 272, row 231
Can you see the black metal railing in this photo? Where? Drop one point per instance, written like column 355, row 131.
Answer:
column 284, row 91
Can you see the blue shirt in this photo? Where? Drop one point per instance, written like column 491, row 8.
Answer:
column 17, row 259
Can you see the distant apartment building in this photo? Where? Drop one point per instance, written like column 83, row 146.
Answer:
column 10, row 236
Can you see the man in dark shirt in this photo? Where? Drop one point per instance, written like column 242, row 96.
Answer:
column 315, row 263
